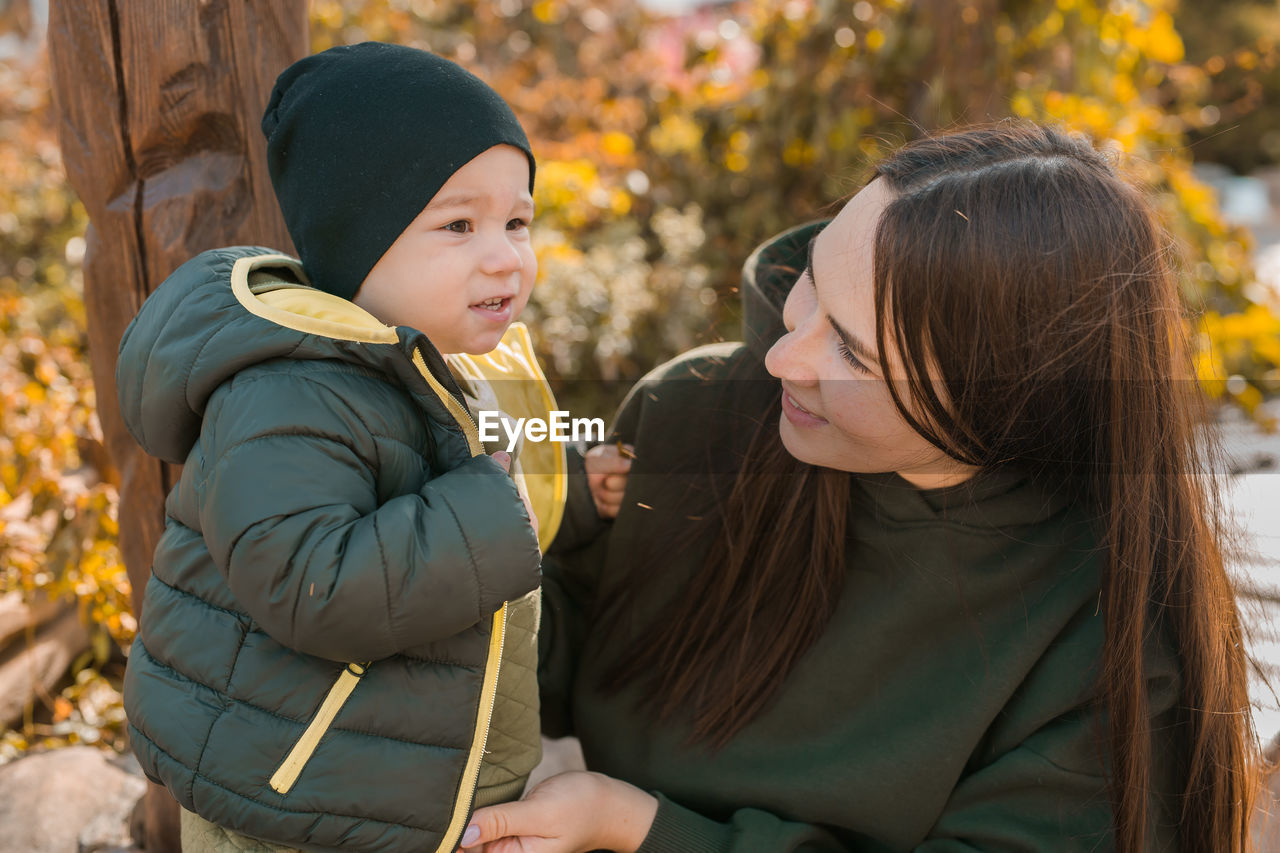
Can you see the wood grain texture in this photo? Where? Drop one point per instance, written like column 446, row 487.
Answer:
column 159, row 107
column 159, row 104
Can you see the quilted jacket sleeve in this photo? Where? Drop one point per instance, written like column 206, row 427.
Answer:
column 290, row 511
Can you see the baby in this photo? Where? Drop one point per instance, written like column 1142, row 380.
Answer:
column 339, row 642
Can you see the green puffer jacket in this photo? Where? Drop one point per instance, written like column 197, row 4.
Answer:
column 318, row 662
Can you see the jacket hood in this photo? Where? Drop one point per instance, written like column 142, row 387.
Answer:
column 228, row 309
column 767, row 277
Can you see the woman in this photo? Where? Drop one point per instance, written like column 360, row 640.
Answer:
column 966, row 591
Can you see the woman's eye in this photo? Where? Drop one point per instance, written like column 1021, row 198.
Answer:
column 460, row 226
column 847, row 355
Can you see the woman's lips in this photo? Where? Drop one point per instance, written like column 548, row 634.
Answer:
column 798, row 414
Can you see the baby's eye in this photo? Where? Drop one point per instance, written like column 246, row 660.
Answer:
column 517, row 223
column 458, row 226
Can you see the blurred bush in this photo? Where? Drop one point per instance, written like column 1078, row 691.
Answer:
column 1236, row 44
column 57, row 501
column 667, row 149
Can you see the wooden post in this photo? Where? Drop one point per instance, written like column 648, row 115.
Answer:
column 159, row 103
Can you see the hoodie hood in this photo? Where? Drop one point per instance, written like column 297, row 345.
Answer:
column 228, row 309
column 767, row 278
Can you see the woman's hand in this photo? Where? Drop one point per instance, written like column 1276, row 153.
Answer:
column 572, row 812
column 607, row 468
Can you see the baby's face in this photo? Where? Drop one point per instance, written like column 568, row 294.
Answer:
column 464, row 268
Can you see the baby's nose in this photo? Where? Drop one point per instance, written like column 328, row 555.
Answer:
column 501, row 256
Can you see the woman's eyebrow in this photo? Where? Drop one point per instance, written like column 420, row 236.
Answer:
column 855, row 346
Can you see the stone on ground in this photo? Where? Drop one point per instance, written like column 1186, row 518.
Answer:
column 72, row 800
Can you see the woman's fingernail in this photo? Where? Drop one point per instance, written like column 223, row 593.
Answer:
column 471, row 835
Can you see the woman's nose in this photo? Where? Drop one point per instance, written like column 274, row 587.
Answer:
column 787, row 358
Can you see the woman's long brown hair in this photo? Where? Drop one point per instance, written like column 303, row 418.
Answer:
column 1016, row 264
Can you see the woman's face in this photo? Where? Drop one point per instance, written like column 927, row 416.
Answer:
column 836, row 408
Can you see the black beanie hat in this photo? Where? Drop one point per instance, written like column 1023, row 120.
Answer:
column 361, row 137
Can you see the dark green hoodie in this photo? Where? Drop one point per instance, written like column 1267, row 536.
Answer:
column 947, row 707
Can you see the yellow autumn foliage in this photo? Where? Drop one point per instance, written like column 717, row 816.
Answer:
column 57, row 502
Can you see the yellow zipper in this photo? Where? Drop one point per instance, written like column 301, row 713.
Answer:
column 471, row 772
column 284, row 777
column 459, row 411
column 489, row 686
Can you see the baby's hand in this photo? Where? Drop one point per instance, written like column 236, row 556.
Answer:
column 504, row 459
column 607, row 470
